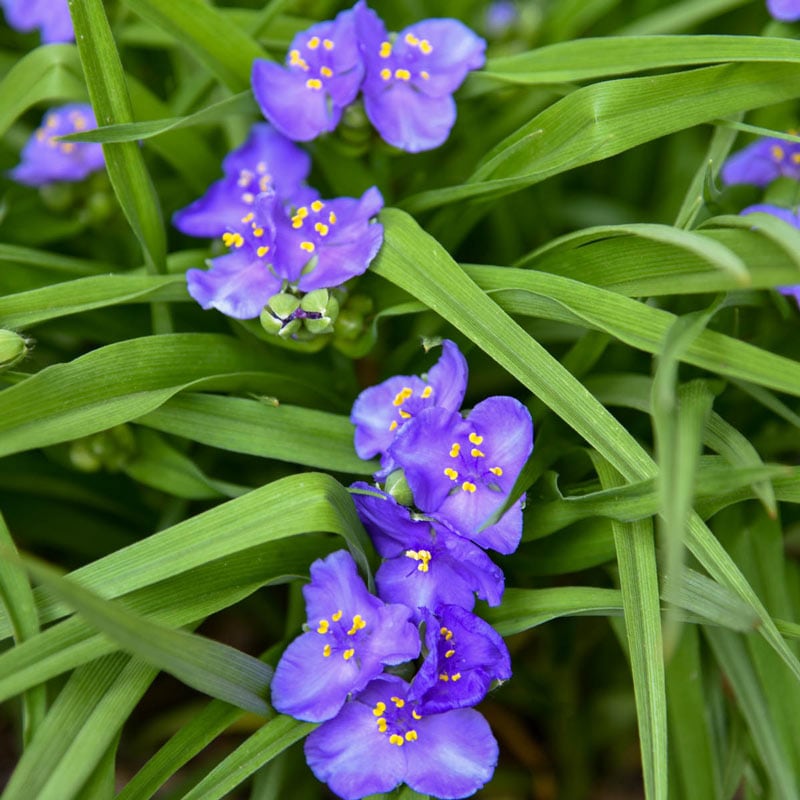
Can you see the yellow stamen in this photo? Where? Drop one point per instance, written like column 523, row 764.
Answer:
column 395, row 739
column 404, row 414
column 379, row 709
column 248, row 197
column 67, row 147
column 337, row 616
column 263, row 182
column 321, row 228
column 382, row 725
column 449, row 653
column 326, row 72
column 313, row 43
column 496, row 471
column 468, row 486
column 451, row 473
column 415, row 715
column 261, row 167
column 402, row 74
column 332, row 218
column 425, row 75
column 326, row 651
column 456, row 676
column 427, row 392
column 475, row 439
column 348, row 654
column 423, row 556
column 425, row 46
column 307, row 246
column 262, row 251
column 777, row 152
column 398, row 701
column 317, row 205
column 248, row 217
column 296, row 60
column 411, row 39
column 232, row 239
column 386, row 50
column 455, row 450
column 795, row 158
column 402, row 396
column 386, row 74
column 358, row 624
column 443, row 676
column 411, row 736
column 328, row 44
column 323, row 626
column 475, row 453
column 393, row 426
column 79, row 122
column 258, row 232
column 314, row 83
column 447, row 633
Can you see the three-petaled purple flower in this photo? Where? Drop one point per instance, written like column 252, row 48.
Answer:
column 320, row 246
column 46, row 160
column 352, row 635
column 380, row 740
column 411, row 76
column 461, row 471
column 266, row 162
column 465, row 656
column 322, row 75
column 427, row 564
column 50, row 16
column 786, row 10
column 762, row 162
column 380, row 411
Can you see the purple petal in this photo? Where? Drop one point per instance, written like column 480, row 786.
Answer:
column 218, row 210
column 786, row 10
column 336, row 584
column 762, row 162
column 786, row 214
column 448, row 377
column 52, row 16
column 466, row 513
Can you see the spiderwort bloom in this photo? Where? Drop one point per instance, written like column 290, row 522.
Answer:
column 410, row 77
column 380, row 740
column 51, row 16
column 786, row 10
column 465, row 655
column 462, row 470
column 379, row 412
column 352, row 635
column 426, row 564
column 46, row 160
column 323, row 74
column 762, row 162
column 267, row 161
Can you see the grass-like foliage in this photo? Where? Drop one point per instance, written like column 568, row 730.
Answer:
column 169, row 474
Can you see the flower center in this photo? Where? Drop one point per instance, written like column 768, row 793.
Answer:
column 447, row 647
column 253, row 182
column 343, row 635
column 393, row 720
column 423, row 556
column 468, row 466
column 315, row 222
column 416, row 49
column 406, row 393
column 314, row 60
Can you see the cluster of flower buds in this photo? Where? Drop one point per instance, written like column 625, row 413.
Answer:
column 454, row 474
column 406, row 79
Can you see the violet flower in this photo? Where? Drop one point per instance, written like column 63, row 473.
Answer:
column 352, row 635
column 465, row 656
column 323, row 73
column 411, row 76
column 379, row 741
column 762, row 162
column 267, row 161
column 786, row 10
column 46, row 160
column 50, row 16
column 461, row 471
column 427, row 564
column 321, row 246
column 380, row 411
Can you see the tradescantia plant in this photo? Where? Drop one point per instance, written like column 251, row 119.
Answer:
column 399, row 400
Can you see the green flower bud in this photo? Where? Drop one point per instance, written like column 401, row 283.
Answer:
column 111, row 449
column 349, row 325
column 269, row 322
column 290, row 328
column 397, row 486
column 13, row 348
column 315, row 302
column 283, row 305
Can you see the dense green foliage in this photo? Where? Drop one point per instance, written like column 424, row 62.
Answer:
column 185, row 469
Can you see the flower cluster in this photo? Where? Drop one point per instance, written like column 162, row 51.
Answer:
column 407, row 79
column 50, row 16
column 379, row 730
column 47, row 160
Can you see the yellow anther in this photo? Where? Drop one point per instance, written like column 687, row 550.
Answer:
column 411, row 736
column 261, row 167
column 402, row 396
column 40, row 135
column 496, row 471
column 777, row 152
column 447, row 633
column 79, row 122
column 307, row 246
column 321, row 228
column 249, row 198
column 332, row 218
column 386, row 74
column 475, row 439
column 326, row 72
column 232, row 239
column 52, row 121
column 379, row 709
column 468, row 486
column 449, row 653
column 301, row 212
column 423, row 556
column 297, row 222
column 411, row 39
column 382, row 725
column 386, row 50
column 313, row 43
column 358, row 624
column 456, row 676
column 415, row 715
column 323, row 626
column 263, row 182
column 404, row 414
column 425, row 75
column 262, row 251
column 248, row 217
column 425, row 46
column 451, row 473
column 402, row 74
column 427, row 392
column 328, row 44
column 337, row 616
column 795, row 158
column 317, row 205
column 258, row 232
column 393, row 426
column 348, row 654
column 396, row 739
column 455, row 450
column 314, row 83
column 475, row 453
column 398, row 701
column 67, row 147
column 296, row 60
column 326, row 651
column 245, row 176
column 443, row 676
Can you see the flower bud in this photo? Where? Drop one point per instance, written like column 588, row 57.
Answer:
column 324, row 307
column 111, row 449
column 397, row 486
column 13, row 348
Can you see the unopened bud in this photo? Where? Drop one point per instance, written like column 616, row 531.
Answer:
column 397, row 486
column 13, row 348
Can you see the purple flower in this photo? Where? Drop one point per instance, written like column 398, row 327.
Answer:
column 379, row 740
column 500, row 18
column 320, row 247
column 410, row 77
column 267, row 161
column 46, row 160
column 461, row 471
column 352, row 635
column 465, row 655
column 762, row 162
column 381, row 411
column 426, row 564
column 786, row 10
column 51, row 16
column 323, row 74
